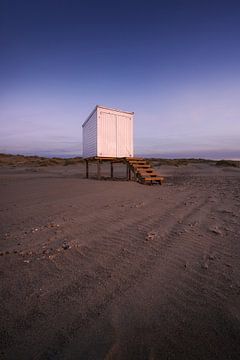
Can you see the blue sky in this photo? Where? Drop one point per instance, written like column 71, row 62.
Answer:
column 176, row 64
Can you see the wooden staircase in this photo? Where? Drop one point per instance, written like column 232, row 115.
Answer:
column 143, row 172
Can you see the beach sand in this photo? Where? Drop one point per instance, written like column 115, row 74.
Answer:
column 118, row 270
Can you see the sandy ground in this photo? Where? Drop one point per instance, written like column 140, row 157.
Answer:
column 117, row 270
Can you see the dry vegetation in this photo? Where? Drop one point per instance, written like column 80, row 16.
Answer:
column 179, row 162
column 233, row 163
column 21, row 160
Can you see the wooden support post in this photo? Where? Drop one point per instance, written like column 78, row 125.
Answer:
column 111, row 170
column 86, row 169
column 98, row 170
column 134, row 176
column 130, row 174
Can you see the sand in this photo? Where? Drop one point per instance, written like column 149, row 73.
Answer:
column 117, row 270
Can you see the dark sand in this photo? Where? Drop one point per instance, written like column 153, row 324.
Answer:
column 117, row 270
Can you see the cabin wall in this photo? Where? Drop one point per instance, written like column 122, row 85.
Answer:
column 115, row 133
column 90, row 136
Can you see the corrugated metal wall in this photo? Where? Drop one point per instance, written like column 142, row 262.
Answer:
column 90, row 137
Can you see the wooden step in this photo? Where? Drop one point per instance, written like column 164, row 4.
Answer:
column 159, row 178
column 143, row 171
column 142, row 167
column 148, row 173
column 138, row 163
column 134, row 159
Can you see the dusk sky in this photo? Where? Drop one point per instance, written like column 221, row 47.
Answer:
column 175, row 63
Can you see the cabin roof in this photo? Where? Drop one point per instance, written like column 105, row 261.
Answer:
column 107, row 108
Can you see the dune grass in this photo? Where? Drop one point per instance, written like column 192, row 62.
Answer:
column 40, row 161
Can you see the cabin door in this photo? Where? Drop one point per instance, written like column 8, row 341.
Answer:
column 115, row 135
column 107, row 135
column 124, row 135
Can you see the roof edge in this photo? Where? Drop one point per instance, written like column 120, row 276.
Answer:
column 106, row 108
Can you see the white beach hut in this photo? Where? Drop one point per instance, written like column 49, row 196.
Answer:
column 108, row 133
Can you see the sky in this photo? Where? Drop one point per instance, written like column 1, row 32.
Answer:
column 175, row 63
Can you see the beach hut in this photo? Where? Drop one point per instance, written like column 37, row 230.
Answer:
column 108, row 133
column 108, row 137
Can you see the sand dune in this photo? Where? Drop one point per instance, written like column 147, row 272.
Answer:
column 117, row 270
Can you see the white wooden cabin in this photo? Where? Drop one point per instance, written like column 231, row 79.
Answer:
column 108, row 133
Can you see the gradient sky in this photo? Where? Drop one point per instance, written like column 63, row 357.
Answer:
column 175, row 63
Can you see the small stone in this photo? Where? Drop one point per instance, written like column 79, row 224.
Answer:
column 151, row 235
column 26, row 261
column 139, row 204
column 228, row 265
column 65, row 246
column 216, row 231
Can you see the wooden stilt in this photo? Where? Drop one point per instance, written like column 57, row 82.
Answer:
column 137, row 169
column 111, row 170
column 99, row 170
column 86, row 169
column 128, row 172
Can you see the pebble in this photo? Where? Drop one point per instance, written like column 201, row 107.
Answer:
column 228, row 265
column 65, row 246
column 151, row 236
column 205, row 266
column 216, row 231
